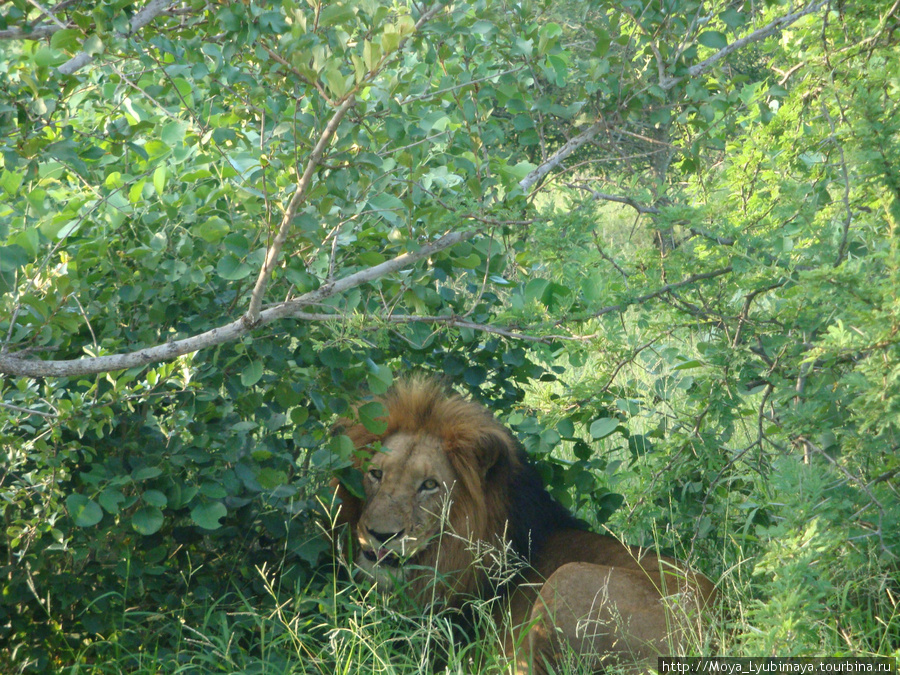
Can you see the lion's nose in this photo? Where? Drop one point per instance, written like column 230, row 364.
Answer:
column 383, row 537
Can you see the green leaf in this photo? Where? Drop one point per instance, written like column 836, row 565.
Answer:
column 601, row 45
column 10, row 182
column 607, row 505
column 212, row 230
column 475, row 376
column 303, row 281
column 270, row 478
column 85, row 512
column 550, row 30
column 147, row 520
column 111, row 500
column 713, row 39
column 388, row 207
column 146, row 473
column 337, row 83
column 252, row 373
column 339, row 448
column 208, row 515
column 380, row 378
column 534, row 289
column 469, row 262
column 334, row 13
column 172, row 134
column 372, row 415
column 159, row 179
column 68, row 39
column 45, row 57
column 371, row 54
column 603, row 427
column 520, row 170
column 733, row 18
column 639, row 445
column 390, row 40
column 566, row 428
column 12, row 257
column 136, row 191
column 548, row 35
column 232, row 268
column 299, row 416
column 93, row 45
column 351, row 478
column 154, row 498
column 213, row 490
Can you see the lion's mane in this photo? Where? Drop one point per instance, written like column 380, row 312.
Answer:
column 499, row 499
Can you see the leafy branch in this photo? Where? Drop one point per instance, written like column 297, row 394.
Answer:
column 666, row 82
column 252, row 317
column 762, row 33
column 15, row 365
column 255, row 316
column 150, row 11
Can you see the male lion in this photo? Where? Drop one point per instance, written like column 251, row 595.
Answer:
column 448, row 490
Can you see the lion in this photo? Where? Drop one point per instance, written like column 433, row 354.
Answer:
column 448, row 491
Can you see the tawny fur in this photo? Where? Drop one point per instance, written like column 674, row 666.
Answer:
column 579, row 591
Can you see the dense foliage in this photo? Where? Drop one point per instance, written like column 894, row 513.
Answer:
column 659, row 238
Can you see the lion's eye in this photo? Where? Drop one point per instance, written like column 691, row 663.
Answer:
column 375, row 474
column 429, row 485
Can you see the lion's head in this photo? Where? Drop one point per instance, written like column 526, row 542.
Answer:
column 436, row 486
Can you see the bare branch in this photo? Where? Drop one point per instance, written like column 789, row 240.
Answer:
column 46, row 12
column 35, row 33
column 607, row 257
column 768, row 257
column 632, row 355
column 848, row 218
column 451, row 321
column 432, row 94
column 27, row 411
column 21, row 367
column 745, row 310
column 628, row 201
column 887, row 475
column 454, row 321
column 663, row 290
column 724, row 241
column 528, row 182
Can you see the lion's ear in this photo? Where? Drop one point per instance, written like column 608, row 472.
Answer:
column 494, row 453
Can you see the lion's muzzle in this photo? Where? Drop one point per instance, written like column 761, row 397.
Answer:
column 382, row 556
column 388, row 549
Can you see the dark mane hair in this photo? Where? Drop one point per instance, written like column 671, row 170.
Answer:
column 534, row 514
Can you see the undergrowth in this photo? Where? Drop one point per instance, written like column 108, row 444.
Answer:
column 783, row 596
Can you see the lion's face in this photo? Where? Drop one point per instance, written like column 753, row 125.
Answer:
column 408, row 485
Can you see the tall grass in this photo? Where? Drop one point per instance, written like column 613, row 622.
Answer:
column 775, row 603
column 345, row 627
